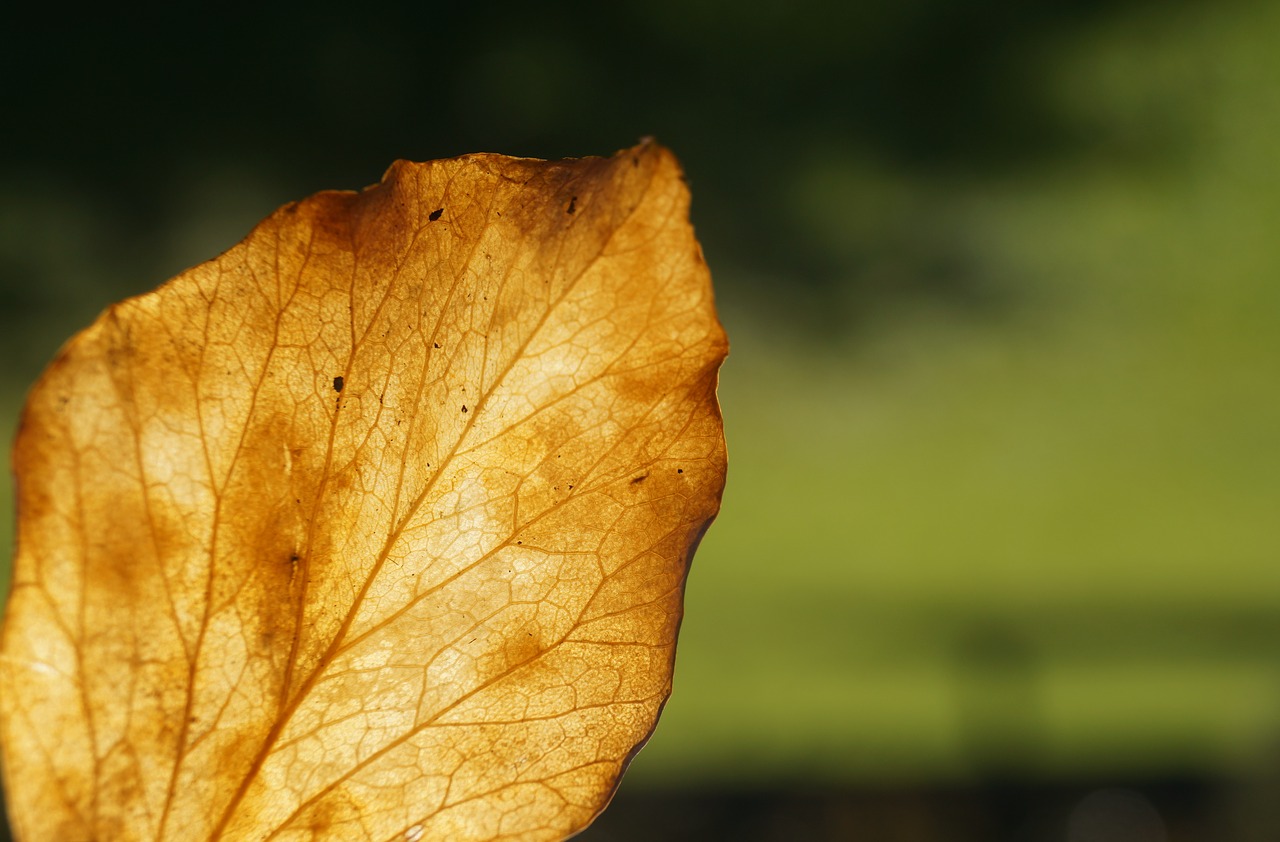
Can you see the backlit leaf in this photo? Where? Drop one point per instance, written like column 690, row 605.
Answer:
column 374, row 528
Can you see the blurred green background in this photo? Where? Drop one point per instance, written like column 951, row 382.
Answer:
column 1002, row 282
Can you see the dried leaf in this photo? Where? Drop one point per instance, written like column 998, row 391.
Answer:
column 376, row 527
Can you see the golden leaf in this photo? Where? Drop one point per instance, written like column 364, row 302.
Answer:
column 374, row 528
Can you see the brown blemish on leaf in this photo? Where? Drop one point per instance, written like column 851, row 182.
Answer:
column 239, row 613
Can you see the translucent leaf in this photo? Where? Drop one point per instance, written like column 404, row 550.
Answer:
column 374, row 528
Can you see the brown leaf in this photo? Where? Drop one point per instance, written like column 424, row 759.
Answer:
column 376, row 527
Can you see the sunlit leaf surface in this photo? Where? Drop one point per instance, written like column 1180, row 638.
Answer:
column 374, row 528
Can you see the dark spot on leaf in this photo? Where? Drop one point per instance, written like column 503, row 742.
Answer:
column 573, row 204
column 679, row 470
column 464, row 407
column 639, row 479
column 435, row 344
column 435, row 214
column 337, row 383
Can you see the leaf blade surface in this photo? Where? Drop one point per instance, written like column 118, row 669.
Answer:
column 374, row 527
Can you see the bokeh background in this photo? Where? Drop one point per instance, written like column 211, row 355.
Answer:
column 1000, row 549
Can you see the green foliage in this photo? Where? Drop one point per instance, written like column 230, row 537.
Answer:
column 1043, row 538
